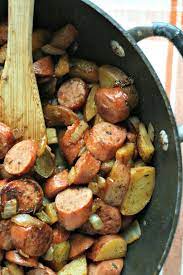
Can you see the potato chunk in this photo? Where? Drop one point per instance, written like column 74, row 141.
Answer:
column 140, row 190
column 76, row 267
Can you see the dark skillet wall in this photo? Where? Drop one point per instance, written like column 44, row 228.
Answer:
column 95, row 34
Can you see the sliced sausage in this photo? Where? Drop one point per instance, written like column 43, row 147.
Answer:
column 27, row 192
column 74, row 207
column 21, row 157
column 6, row 139
column 60, row 234
column 43, row 270
column 104, row 139
column 112, row 104
column 85, row 169
column 44, row 67
column 110, row 267
column 57, row 115
column 79, row 244
column 70, row 148
column 33, row 240
column 110, row 217
column 73, row 93
column 56, row 184
column 5, row 235
column 14, row 257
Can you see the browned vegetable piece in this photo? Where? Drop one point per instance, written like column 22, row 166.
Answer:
column 39, row 38
column 144, row 144
column 14, row 257
column 90, row 107
column 62, row 66
column 64, row 37
column 3, row 33
column 79, row 244
column 47, row 89
column 32, row 239
column 6, row 139
column 57, row 115
column 110, row 267
column 98, row 119
column 140, row 190
column 116, row 185
column 50, row 49
column 85, row 169
column 21, row 157
column 45, row 164
column 87, row 70
column 108, row 247
column 109, row 76
column 5, row 235
column 55, row 184
column 126, row 153
column 73, row 93
column 74, row 207
column 27, row 192
column 112, row 104
column 104, row 139
column 60, row 234
column 106, row 166
column 69, row 146
column 110, row 217
column 41, row 270
column 44, row 67
column 3, row 51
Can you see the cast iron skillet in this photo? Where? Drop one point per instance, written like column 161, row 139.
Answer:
column 97, row 30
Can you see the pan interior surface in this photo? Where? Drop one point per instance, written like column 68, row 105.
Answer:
column 158, row 220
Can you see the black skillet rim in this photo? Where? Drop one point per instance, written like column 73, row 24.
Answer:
column 173, row 124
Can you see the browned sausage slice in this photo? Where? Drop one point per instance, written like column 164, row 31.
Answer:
column 112, row 104
column 104, row 139
column 110, row 267
column 27, row 192
column 60, row 234
column 6, row 139
column 79, row 244
column 21, row 157
column 33, row 240
column 110, row 217
column 70, row 148
column 85, row 169
column 44, row 67
column 57, row 115
column 5, row 235
column 56, row 184
column 74, row 207
column 43, row 270
column 73, row 93
column 14, row 257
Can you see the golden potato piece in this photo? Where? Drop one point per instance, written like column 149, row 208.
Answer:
column 62, row 66
column 90, row 107
column 108, row 247
column 144, row 144
column 3, row 51
column 126, row 152
column 140, row 190
column 76, row 267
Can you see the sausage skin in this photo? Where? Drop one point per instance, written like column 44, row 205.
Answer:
column 79, row 244
column 5, row 235
column 6, row 139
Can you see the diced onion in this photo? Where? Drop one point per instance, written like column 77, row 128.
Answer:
column 151, row 131
column 94, row 187
column 51, row 212
column 49, row 254
column 43, row 217
column 96, row 222
column 135, row 122
column 51, row 135
column 10, row 209
column 79, row 131
column 26, row 220
column 101, row 182
column 132, row 233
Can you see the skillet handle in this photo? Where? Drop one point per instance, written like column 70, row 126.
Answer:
column 172, row 33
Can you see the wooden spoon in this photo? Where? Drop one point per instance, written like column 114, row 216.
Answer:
column 20, row 105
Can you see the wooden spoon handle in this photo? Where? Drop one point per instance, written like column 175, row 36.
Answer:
column 20, row 105
column 20, row 22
